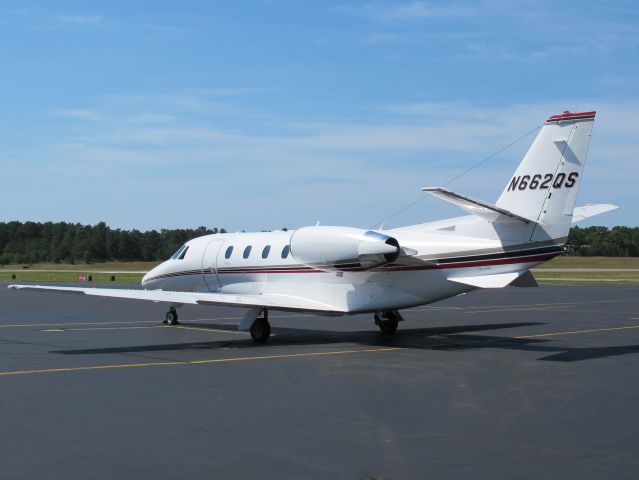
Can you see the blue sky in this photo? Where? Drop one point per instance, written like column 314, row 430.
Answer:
column 261, row 114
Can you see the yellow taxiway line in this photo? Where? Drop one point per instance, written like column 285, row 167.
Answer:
column 97, row 328
column 22, row 325
column 574, row 332
column 203, row 329
column 283, row 356
column 180, row 327
column 131, row 322
column 200, row 362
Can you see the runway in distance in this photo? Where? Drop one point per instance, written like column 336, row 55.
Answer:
column 343, row 270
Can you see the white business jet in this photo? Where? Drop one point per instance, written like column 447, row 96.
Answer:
column 344, row 270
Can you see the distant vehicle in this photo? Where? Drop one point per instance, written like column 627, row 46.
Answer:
column 343, row 270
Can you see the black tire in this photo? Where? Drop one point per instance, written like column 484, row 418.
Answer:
column 388, row 326
column 171, row 317
column 387, row 322
column 260, row 330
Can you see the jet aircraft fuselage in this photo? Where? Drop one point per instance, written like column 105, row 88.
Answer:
column 344, row 270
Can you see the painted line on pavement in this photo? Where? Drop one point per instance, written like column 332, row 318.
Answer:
column 291, row 355
column 592, row 330
column 199, row 362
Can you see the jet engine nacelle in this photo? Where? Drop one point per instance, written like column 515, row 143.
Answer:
column 343, row 248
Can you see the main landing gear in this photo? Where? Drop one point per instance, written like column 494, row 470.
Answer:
column 261, row 329
column 388, row 321
column 171, row 317
column 256, row 322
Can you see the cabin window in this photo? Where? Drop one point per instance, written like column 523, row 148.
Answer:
column 247, row 252
column 229, row 252
column 179, row 252
column 266, row 251
column 183, row 254
column 286, row 251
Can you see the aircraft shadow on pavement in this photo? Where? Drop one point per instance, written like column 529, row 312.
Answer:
column 439, row 338
column 556, row 353
column 287, row 336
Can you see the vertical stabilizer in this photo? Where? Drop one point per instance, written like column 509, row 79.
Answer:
column 544, row 188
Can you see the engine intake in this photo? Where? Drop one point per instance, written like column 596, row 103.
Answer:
column 343, row 248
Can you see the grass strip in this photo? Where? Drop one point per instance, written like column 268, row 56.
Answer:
column 70, row 277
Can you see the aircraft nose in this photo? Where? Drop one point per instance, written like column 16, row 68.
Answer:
column 146, row 279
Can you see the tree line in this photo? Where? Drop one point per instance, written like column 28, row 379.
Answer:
column 604, row 242
column 32, row 242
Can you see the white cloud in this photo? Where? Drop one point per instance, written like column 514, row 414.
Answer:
column 415, row 10
column 616, row 80
column 330, row 165
column 78, row 114
column 161, row 29
column 500, row 52
column 186, row 102
column 164, row 136
column 80, row 19
column 150, row 118
column 378, row 38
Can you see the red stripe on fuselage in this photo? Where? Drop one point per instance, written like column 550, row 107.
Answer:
column 479, row 263
column 399, row 268
column 249, row 272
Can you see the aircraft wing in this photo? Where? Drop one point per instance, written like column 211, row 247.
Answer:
column 587, row 211
column 272, row 301
column 488, row 212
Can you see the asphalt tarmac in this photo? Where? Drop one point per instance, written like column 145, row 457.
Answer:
column 518, row 383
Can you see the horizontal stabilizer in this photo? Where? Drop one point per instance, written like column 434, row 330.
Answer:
column 498, row 280
column 488, row 212
column 586, row 211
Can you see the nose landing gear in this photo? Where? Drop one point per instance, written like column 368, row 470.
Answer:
column 171, row 317
column 388, row 321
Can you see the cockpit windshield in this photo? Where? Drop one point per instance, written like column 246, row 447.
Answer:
column 181, row 253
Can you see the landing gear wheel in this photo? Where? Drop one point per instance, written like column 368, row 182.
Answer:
column 387, row 323
column 260, row 330
column 388, row 327
column 171, row 317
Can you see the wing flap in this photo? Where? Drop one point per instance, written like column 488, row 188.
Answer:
column 488, row 212
column 274, row 301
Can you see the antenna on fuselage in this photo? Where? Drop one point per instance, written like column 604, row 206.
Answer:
column 421, row 198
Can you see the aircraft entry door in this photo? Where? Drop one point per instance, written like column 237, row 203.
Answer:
column 209, row 265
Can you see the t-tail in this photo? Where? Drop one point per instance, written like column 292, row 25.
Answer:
column 545, row 185
column 538, row 203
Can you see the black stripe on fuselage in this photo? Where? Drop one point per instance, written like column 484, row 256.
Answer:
column 507, row 254
column 441, row 263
